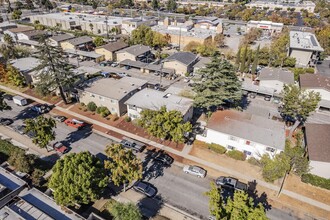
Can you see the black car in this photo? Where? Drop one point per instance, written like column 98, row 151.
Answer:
column 6, row 121
column 60, row 118
column 145, row 188
column 164, row 158
column 41, row 108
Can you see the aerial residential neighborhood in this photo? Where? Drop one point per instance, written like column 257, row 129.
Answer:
column 165, row 110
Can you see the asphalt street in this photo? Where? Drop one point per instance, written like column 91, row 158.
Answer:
column 181, row 190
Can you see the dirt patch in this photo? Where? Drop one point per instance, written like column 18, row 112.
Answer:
column 132, row 128
column 199, row 150
column 49, row 99
column 294, row 184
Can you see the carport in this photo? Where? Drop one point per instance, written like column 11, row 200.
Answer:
column 86, row 55
column 152, row 68
column 132, row 64
column 258, row 89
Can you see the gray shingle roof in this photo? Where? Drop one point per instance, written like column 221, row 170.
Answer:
column 249, row 127
column 310, row 81
column 80, row 40
column 281, row 75
column 136, row 50
column 318, row 141
column 113, row 47
column 185, row 58
column 61, row 37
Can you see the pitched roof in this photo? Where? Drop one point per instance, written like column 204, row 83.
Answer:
column 318, row 141
column 25, row 64
column 250, row 127
column 20, row 29
column 281, row 75
column 154, row 100
column 314, row 81
column 136, row 50
column 61, row 37
column 80, row 40
column 115, row 46
column 34, row 33
column 185, row 58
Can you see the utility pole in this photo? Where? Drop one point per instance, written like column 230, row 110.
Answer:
column 180, row 40
column 106, row 23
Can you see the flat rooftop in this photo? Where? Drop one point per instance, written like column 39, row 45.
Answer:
column 194, row 32
column 153, row 100
column 89, row 54
column 304, row 41
column 25, row 64
column 113, row 88
column 34, row 204
column 9, row 181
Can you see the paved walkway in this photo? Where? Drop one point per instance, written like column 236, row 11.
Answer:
column 183, row 154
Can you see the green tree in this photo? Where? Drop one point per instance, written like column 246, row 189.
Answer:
column 123, row 165
column 249, row 55
column 125, row 211
column 37, row 177
column 274, row 168
column 242, row 67
column 16, row 15
column 43, row 128
column 255, row 61
column 278, row 49
column 155, row 4
column 238, row 57
column 20, row 161
column 171, row 5
column 219, row 85
column 3, row 104
column 15, row 77
column 165, row 124
column 99, row 41
column 94, row 4
column 78, row 178
column 215, row 202
column 159, row 40
column 142, row 35
column 54, row 71
column 289, row 62
column 126, row 3
column 323, row 37
column 207, row 49
column 219, row 39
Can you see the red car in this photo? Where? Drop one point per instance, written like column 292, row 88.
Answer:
column 60, row 148
column 75, row 123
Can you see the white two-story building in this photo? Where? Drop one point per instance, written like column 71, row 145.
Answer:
column 251, row 134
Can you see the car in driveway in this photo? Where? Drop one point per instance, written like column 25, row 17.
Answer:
column 195, row 170
column 59, row 118
column 60, row 148
column 145, row 188
column 20, row 129
column 164, row 158
column 6, row 121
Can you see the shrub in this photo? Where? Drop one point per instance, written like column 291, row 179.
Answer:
column 217, row 148
column 128, row 119
column 309, row 70
column 253, row 161
column 115, row 117
column 82, row 104
column 99, row 110
column 316, row 180
column 91, row 106
column 236, row 154
column 103, row 111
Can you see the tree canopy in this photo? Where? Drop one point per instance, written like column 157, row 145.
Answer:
column 165, row 124
column 78, row 178
column 125, row 211
column 218, row 85
column 297, row 103
column 43, row 128
column 144, row 35
column 99, row 41
column 54, row 72
column 171, row 5
column 123, row 165
column 3, row 104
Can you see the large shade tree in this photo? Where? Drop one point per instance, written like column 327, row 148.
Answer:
column 54, row 70
column 78, row 178
column 123, row 165
column 43, row 129
column 219, row 85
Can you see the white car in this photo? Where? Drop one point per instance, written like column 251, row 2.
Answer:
column 194, row 170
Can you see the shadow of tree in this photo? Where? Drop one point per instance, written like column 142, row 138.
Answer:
column 78, row 135
column 26, row 113
column 262, row 198
column 149, row 207
column 156, row 169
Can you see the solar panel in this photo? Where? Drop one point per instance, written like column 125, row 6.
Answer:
column 314, row 42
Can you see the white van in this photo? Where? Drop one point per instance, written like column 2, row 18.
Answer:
column 18, row 100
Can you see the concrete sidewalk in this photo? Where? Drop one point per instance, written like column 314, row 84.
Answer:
column 183, row 154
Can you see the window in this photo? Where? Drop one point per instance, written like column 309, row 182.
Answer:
column 230, row 147
column 247, row 152
column 270, row 149
column 232, row 138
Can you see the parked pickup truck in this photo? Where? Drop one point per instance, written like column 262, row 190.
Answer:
column 132, row 144
column 230, row 182
column 41, row 108
column 75, row 123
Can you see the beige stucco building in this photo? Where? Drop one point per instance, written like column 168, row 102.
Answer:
column 109, row 50
column 181, row 62
column 132, row 53
column 112, row 93
column 77, row 43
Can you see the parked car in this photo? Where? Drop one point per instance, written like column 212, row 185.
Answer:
column 75, row 123
column 114, row 64
column 164, row 158
column 41, row 108
column 18, row 100
column 20, row 129
column 195, row 170
column 6, row 121
column 230, row 182
column 59, row 118
column 132, row 144
column 145, row 188
column 60, row 148
column 31, row 134
column 267, row 98
column 122, row 74
column 186, row 79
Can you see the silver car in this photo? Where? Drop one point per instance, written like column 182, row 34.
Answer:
column 194, row 170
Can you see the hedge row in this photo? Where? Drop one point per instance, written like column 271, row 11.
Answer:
column 217, row 148
column 237, row 155
column 6, row 148
column 316, row 180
